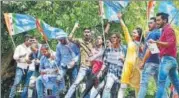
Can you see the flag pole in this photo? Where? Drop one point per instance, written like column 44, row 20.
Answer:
column 45, row 38
column 174, row 16
column 102, row 23
column 13, row 41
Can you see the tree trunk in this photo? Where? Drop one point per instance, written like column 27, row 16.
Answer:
column 8, row 66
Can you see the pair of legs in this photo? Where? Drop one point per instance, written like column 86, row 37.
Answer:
column 20, row 73
column 81, row 75
column 110, row 80
column 43, row 84
column 150, row 69
column 168, row 67
column 32, row 88
column 92, row 80
column 72, row 74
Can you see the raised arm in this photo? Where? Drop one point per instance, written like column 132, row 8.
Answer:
column 100, row 53
column 73, row 31
column 125, row 29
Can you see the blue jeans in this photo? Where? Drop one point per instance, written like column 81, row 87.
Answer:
column 73, row 74
column 32, row 88
column 81, row 75
column 25, row 90
column 20, row 73
column 41, row 85
column 150, row 69
column 167, row 67
column 111, row 79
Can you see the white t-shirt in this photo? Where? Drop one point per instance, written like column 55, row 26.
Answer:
column 21, row 54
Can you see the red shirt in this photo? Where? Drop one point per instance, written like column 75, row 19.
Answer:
column 168, row 35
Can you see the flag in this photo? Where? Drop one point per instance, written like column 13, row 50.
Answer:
column 150, row 9
column 47, row 31
column 19, row 23
column 169, row 8
column 111, row 8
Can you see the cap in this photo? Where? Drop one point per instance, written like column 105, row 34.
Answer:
column 61, row 35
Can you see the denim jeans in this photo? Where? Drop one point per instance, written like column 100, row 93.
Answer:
column 72, row 74
column 20, row 73
column 98, row 90
column 150, row 69
column 168, row 67
column 81, row 75
column 41, row 85
column 111, row 79
column 26, row 86
column 32, row 88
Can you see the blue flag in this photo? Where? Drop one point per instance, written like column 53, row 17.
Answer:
column 48, row 31
column 111, row 8
column 169, row 8
column 19, row 23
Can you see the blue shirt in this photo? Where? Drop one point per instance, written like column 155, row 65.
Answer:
column 75, row 48
column 155, row 35
column 64, row 55
column 46, row 63
column 36, row 55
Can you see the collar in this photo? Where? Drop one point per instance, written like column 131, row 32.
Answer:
column 24, row 45
column 166, row 26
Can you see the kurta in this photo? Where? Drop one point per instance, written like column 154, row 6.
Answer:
column 131, row 73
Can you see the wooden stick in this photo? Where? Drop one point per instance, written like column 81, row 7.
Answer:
column 174, row 17
column 102, row 23
column 13, row 41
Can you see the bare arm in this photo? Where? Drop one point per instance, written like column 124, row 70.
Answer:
column 125, row 29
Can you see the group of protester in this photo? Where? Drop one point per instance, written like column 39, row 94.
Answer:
column 107, row 67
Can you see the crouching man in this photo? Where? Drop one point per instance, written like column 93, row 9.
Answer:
column 48, row 73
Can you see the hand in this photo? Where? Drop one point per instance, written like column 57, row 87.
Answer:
column 122, row 57
column 151, row 41
column 77, row 25
column 37, row 61
column 52, row 57
column 22, row 55
column 90, row 54
column 119, row 15
column 57, row 71
column 28, row 61
column 141, row 66
column 72, row 64
column 99, row 74
column 42, row 73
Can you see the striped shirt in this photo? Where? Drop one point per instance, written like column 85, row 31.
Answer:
column 113, row 58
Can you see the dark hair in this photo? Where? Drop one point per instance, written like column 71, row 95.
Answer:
column 117, row 35
column 139, row 31
column 27, row 37
column 102, row 39
column 164, row 16
column 153, row 18
column 34, row 37
column 87, row 29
